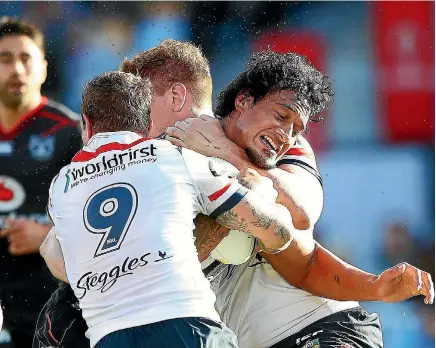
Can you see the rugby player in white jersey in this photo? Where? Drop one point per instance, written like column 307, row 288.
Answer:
column 262, row 109
column 123, row 212
column 187, row 90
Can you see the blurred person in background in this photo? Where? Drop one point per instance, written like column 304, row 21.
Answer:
column 426, row 315
column 399, row 244
column 38, row 136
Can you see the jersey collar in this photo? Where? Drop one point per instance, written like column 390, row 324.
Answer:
column 104, row 138
column 104, row 142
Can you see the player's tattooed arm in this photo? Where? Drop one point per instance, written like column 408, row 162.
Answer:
column 231, row 219
column 269, row 222
column 208, row 234
column 265, row 221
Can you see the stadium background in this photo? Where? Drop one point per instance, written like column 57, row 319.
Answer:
column 375, row 149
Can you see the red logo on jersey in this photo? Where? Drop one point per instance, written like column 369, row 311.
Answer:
column 12, row 194
column 5, row 193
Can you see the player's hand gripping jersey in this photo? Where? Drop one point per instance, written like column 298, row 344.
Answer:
column 123, row 212
column 254, row 301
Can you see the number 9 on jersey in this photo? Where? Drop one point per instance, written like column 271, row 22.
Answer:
column 109, row 212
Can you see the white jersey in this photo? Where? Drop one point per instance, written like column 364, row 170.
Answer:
column 123, row 212
column 260, row 307
column 255, row 302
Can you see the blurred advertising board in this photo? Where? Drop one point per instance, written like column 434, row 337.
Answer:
column 403, row 45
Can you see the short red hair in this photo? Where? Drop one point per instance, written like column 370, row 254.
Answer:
column 174, row 61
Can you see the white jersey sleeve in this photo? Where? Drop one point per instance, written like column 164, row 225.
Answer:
column 50, row 248
column 215, row 181
column 301, row 155
column 50, row 211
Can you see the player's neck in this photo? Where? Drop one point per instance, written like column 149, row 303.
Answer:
column 10, row 116
column 228, row 126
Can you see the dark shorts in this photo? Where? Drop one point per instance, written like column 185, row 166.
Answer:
column 173, row 333
column 352, row 328
column 21, row 304
column 60, row 323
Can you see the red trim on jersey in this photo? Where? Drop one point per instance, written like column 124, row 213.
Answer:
column 297, row 151
column 218, row 194
column 26, row 116
column 61, row 122
column 53, row 129
column 84, row 156
column 57, row 118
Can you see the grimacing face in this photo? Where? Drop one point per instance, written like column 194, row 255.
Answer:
column 23, row 69
column 267, row 128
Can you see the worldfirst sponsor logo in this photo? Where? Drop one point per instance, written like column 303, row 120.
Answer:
column 109, row 165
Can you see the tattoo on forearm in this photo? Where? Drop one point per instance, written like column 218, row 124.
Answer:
column 231, row 220
column 208, row 234
column 337, row 279
column 264, row 221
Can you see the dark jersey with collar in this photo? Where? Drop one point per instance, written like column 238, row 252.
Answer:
column 31, row 154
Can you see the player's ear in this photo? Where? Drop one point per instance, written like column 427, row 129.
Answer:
column 44, row 71
column 178, row 94
column 243, row 101
column 87, row 132
column 150, row 127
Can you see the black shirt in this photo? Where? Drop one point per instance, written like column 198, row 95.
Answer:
column 31, row 154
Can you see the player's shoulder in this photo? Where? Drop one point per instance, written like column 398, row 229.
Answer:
column 55, row 182
column 301, row 154
column 59, row 112
column 300, row 151
column 301, row 148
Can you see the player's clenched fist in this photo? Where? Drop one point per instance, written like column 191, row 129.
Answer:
column 260, row 184
column 404, row 281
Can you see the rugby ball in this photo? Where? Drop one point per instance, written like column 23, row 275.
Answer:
column 235, row 249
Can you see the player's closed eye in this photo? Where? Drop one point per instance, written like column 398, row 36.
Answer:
column 280, row 116
column 5, row 58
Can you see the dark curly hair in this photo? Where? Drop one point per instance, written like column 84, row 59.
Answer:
column 269, row 71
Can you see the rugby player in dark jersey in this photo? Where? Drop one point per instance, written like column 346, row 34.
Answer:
column 37, row 137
